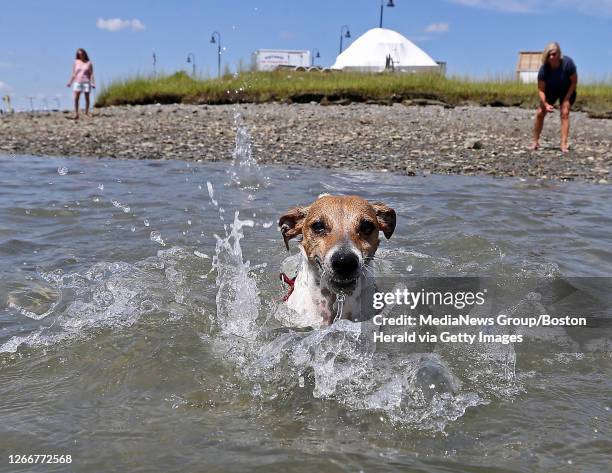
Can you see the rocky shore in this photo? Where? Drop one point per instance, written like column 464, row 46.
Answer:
column 405, row 138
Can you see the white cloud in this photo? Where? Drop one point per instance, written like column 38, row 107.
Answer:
column 514, row 6
column 437, row 28
column 589, row 7
column 117, row 24
column 137, row 25
column 4, row 87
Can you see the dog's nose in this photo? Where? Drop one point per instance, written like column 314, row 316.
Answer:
column 345, row 263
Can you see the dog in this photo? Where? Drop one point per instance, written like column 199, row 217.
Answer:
column 339, row 237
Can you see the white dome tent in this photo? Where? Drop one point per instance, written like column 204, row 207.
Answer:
column 372, row 50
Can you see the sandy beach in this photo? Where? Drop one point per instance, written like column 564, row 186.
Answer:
column 403, row 138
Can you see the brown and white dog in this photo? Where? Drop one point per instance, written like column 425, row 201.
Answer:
column 340, row 235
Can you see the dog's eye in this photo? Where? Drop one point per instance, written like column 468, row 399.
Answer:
column 366, row 227
column 318, row 227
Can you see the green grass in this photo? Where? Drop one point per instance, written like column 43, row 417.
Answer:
column 291, row 86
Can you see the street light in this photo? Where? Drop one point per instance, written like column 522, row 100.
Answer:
column 345, row 35
column 390, row 4
column 218, row 42
column 315, row 56
column 191, row 59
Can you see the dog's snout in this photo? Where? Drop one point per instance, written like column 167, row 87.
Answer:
column 345, row 263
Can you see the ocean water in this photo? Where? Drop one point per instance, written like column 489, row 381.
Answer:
column 139, row 331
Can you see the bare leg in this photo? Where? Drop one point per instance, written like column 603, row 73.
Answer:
column 537, row 129
column 565, row 126
column 87, row 103
column 77, row 96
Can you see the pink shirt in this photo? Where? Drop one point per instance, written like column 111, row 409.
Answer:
column 82, row 71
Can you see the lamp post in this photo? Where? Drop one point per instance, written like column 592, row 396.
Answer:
column 343, row 35
column 218, row 42
column 191, row 59
column 315, row 55
column 390, row 4
column 31, row 99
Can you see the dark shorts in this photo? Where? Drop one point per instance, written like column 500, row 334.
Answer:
column 553, row 95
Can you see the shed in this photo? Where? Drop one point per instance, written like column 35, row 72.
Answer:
column 528, row 65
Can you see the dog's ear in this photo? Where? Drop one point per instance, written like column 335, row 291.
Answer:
column 290, row 224
column 386, row 218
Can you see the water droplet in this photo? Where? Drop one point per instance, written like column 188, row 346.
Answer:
column 62, row 170
column 133, row 229
column 211, row 194
column 101, row 187
column 409, row 268
column 119, row 205
column 188, row 222
column 301, row 381
column 146, row 222
column 157, row 238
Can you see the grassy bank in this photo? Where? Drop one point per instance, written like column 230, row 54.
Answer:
column 337, row 87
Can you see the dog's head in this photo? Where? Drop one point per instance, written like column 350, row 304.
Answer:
column 340, row 235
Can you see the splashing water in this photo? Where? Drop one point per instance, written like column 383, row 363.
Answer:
column 237, row 296
column 107, row 295
column 245, row 172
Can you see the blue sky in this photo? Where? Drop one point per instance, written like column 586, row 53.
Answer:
column 479, row 38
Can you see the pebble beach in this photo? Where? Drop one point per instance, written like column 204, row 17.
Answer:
column 403, row 138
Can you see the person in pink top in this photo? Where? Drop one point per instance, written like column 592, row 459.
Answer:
column 82, row 80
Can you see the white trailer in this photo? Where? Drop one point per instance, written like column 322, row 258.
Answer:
column 270, row 59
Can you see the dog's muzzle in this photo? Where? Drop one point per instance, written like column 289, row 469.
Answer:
column 345, row 267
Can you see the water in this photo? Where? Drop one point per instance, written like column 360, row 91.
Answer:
column 140, row 308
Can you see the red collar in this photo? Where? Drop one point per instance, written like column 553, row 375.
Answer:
column 290, row 282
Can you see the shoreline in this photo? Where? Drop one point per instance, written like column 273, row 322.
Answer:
column 406, row 139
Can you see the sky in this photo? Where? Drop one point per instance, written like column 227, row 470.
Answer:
column 476, row 38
